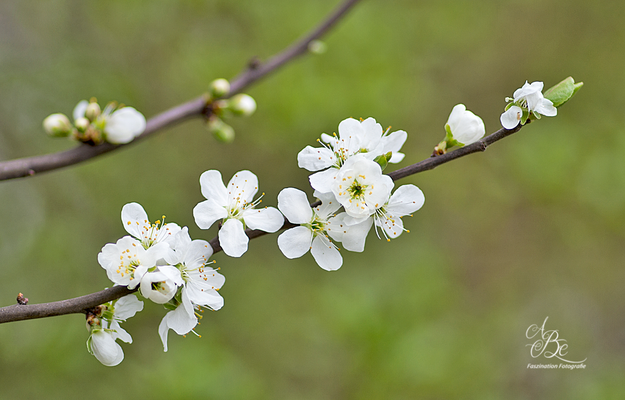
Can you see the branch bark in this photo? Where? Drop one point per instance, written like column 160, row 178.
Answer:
column 256, row 70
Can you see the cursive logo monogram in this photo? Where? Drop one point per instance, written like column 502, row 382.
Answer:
column 548, row 343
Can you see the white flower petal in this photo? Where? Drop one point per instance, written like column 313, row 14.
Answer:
column 207, row 212
column 197, row 254
column 511, row 117
column 394, row 142
column 201, row 295
column 134, row 219
column 329, row 204
column 172, row 273
column 371, row 134
column 354, row 238
column 212, row 187
column 406, row 199
column 124, row 125
column 105, row 349
column 242, row 188
column 163, row 331
column 158, row 287
column 379, row 194
column 322, row 181
column 326, row 254
column 350, row 133
column 295, row 242
column 79, row 110
column 120, row 333
column 232, row 238
column 315, row 159
column 336, row 227
column 392, row 225
column 546, row 108
column 127, row 306
column 293, row 203
column 267, row 219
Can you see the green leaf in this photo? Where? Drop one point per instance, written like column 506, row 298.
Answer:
column 383, row 159
column 563, row 91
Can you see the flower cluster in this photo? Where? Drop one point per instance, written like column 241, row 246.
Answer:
column 348, row 174
column 167, row 267
column 163, row 264
column 115, row 124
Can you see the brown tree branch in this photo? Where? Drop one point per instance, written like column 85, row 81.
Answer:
column 83, row 303
column 20, row 312
column 29, row 166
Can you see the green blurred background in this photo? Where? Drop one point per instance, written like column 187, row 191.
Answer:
column 532, row 228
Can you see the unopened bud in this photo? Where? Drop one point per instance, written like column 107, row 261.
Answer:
column 93, row 111
column 242, row 104
column 57, row 125
column 222, row 131
column 219, row 88
column 317, row 47
column 82, row 124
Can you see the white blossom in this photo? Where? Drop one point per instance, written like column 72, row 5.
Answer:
column 528, row 97
column 105, row 330
column 360, row 186
column 316, row 228
column 234, row 204
column 406, row 200
column 161, row 284
column 465, row 127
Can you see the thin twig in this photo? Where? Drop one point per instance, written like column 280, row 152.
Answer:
column 81, row 304
column 29, row 166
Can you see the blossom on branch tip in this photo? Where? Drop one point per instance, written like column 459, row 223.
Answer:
column 527, row 101
column 316, row 227
column 234, row 205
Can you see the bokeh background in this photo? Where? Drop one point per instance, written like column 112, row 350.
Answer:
column 532, row 228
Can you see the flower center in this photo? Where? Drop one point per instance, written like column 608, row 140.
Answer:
column 154, row 233
column 317, row 225
column 357, row 190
